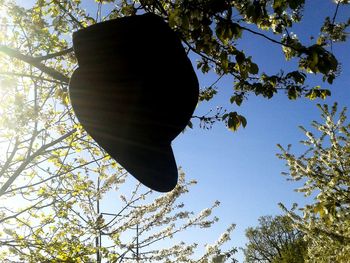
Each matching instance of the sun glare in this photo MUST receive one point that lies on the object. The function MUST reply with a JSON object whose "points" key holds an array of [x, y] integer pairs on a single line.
{"points": [[2, 14]]}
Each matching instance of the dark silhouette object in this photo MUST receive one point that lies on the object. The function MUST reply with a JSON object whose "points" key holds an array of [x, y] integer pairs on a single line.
{"points": [[134, 91]]}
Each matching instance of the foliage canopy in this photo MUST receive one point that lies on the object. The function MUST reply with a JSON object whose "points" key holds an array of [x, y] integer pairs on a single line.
{"points": [[211, 30], [274, 240]]}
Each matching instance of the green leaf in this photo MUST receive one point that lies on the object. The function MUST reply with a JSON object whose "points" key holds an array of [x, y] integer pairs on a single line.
{"points": [[224, 62], [128, 10], [174, 18], [243, 120], [238, 99], [330, 79], [312, 94], [253, 68], [298, 76], [190, 124], [279, 5], [223, 31], [207, 94], [325, 93], [185, 22], [240, 57], [236, 30], [235, 120], [295, 4], [293, 93]]}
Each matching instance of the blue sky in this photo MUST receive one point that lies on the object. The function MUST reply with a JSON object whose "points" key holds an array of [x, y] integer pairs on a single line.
{"points": [[241, 169]]}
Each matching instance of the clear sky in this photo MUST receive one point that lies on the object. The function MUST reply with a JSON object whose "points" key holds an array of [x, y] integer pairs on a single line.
{"points": [[241, 169]]}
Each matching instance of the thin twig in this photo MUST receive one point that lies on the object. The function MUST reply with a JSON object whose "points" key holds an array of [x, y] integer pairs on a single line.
{"points": [[269, 38], [56, 175], [9, 182], [335, 13], [69, 14]]}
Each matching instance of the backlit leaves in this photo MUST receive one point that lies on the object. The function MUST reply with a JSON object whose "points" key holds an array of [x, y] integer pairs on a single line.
{"points": [[234, 120], [324, 170], [213, 32], [53, 176]]}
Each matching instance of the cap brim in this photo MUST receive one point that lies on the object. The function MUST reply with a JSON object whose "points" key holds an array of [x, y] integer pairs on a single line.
{"points": [[150, 160], [153, 165]]}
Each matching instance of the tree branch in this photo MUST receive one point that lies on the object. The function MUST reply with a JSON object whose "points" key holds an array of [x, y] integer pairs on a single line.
{"points": [[270, 39], [23, 75], [53, 55], [8, 183], [69, 14], [10, 158], [32, 61], [51, 177]]}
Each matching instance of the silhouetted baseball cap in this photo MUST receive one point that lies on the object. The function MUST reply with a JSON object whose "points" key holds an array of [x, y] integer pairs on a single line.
{"points": [[134, 91]]}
